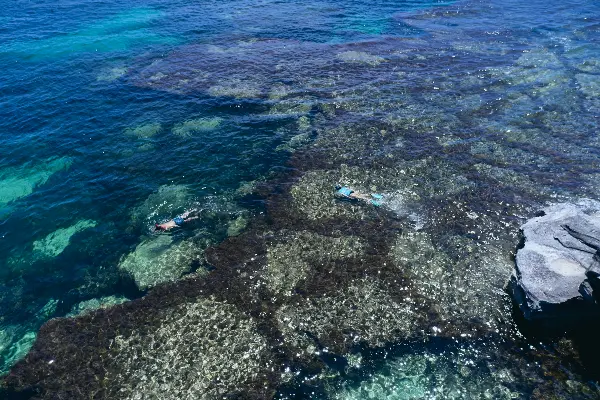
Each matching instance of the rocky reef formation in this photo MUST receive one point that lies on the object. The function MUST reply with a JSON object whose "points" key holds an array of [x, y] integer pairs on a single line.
{"points": [[160, 259], [558, 265], [317, 289]]}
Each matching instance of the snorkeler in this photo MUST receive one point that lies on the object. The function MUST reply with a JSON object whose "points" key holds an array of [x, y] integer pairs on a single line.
{"points": [[175, 222], [349, 194]]}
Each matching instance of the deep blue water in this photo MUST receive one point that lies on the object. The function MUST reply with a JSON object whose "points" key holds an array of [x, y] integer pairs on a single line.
{"points": [[79, 77]]}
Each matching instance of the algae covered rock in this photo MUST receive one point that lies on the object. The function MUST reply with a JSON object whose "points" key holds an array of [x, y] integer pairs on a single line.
{"points": [[462, 279], [290, 262], [144, 131], [89, 306], [237, 88], [159, 259], [56, 242], [360, 57], [313, 194], [363, 312], [237, 225], [16, 183], [201, 350], [192, 126], [162, 203]]}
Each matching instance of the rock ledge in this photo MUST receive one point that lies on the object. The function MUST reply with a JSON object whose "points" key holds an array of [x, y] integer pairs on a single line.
{"points": [[558, 265]]}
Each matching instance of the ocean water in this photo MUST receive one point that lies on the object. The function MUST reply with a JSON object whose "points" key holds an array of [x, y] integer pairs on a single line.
{"points": [[115, 116]]}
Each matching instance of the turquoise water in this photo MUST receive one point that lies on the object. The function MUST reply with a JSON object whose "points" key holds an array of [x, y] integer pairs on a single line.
{"points": [[114, 117]]}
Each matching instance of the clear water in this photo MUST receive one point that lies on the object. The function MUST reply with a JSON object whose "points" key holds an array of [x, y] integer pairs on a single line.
{"points": [[115, 116]]}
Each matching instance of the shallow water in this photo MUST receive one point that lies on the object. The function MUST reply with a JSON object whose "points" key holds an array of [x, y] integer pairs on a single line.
{"points": [[466, 116]]}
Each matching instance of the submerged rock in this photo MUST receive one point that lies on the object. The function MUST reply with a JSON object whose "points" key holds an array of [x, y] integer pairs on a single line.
{"points": [[589, 84], [88, 306], [290, 262], [462, 279], [56, 242], [201, 350], [14, 345], [16, 183], [111, 74], [360, 57], [560, 252], [364, 312], [144, 131], [161, 204], [160, 259], [191, 126]]}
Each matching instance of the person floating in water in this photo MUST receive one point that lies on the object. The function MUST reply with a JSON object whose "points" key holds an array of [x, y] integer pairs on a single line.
{"points": [[350, 194], [175, 222]]}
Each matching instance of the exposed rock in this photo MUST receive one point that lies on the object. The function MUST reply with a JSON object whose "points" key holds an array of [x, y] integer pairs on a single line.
{"points": [[560, 249]]}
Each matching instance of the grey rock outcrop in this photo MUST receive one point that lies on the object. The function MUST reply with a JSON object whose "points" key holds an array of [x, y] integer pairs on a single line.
{"points": [[557, 268]]}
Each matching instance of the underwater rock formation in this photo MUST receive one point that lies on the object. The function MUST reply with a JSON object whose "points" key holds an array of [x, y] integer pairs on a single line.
{"points": [[552, 277], [89, 306], [191, 126], [144, 131], [161, 204], [56, 242], [360, 57], [364, 312], [290, 262], [16, 183], [160, 259], [463, 284], [204, 349], [174, 343]]}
